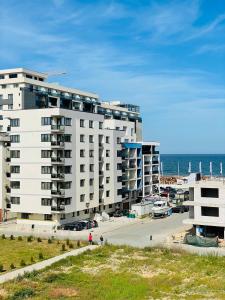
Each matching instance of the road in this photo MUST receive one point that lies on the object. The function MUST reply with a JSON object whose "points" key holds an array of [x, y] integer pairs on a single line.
{"points": [[138, 235]]}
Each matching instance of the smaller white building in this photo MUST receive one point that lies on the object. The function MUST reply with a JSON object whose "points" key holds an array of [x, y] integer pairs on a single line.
{"points": [[207, 207]]}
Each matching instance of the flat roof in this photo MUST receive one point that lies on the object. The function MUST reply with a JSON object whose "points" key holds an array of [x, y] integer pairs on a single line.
{"points": [[151, 143], [23, 70]]}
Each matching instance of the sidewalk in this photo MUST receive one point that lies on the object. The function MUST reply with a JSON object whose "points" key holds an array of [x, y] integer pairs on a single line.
{"points": [[43, 264]]}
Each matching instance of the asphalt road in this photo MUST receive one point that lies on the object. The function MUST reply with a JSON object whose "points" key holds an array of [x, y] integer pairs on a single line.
{"points": [[138, 235]]}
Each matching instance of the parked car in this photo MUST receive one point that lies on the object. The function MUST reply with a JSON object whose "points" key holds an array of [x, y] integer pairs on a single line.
{"points": [[180, 209], [72, 227]]}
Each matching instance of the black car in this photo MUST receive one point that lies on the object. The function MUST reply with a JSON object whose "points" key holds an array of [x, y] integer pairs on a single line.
{"points": [[180, 209], [72, 227]]}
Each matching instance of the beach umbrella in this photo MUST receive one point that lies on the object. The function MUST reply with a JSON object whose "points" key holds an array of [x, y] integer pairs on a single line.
{"points": [[161, 168], [221, 168], [200, 167], [210, 168], [189, 167]]}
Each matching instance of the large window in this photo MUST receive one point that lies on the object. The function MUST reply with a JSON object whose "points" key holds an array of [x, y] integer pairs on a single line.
{"points": [[46, 153], [68, 121], [15, 138], [210, 192], [46, 185], [15, 200], [46, 137], [46, 170], [46, 121], [210, 211], [67, 138], [15, 184], [46, 202], [81, 123], [15, 122], [15, 153], [15, 169], [67, 153]]}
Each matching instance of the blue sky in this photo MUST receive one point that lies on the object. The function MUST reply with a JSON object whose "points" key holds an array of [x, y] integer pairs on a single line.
{"points": [[166, 56]]}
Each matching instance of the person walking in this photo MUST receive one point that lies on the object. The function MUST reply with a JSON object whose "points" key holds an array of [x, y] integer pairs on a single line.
{"points": [[90, 239], [101, 240]]}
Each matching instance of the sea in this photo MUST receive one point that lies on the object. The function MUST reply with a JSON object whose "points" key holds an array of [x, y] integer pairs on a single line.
{"points": [[179, 164]]}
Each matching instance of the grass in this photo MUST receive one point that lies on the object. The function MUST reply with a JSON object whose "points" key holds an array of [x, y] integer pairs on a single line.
{"points": [[121, 273], [17, 252]]}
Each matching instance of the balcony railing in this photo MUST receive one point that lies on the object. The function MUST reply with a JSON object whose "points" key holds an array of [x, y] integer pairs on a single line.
{"points": [[57, 127], [101, 172], [57, 176], [58, 208], [58, 192], [57, 159], [57, 144]]}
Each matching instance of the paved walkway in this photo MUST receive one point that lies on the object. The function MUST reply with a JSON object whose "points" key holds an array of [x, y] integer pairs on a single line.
{"points": [[43, 264]]}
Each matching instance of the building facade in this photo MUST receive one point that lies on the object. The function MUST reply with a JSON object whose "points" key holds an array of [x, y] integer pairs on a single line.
{"points": [[207, 207], [63, 157]]}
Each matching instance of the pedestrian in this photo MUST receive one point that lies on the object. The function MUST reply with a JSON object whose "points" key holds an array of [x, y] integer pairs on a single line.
{"points": [[90, 239], [101, 240]]}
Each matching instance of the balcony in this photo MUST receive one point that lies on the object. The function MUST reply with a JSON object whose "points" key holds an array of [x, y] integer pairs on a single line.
{"points": [[58, 192], [57, 128], [155, 181], [155, 162], [56, 144], [147, 173], [58, 176], [147, 162], [101, 173], [58, 208], [155, 172], [101, 187], [100, 145], [57, 160], [125, 178], [101, 159]]}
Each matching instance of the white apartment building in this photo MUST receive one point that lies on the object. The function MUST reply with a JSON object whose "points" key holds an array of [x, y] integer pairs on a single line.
{"points": [[207, 207], [63, 151]]}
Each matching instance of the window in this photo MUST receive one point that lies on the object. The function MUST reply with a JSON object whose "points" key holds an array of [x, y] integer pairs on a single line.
{"points": [[90, 124], [82, 168], [10, 106], [15, 200], [91, 181], [210, 211], [46, 170], [78, 213], [67, 201], [15, 184], [107, 166], [91, 168], [119, 166], [110, 205], [46, 153], [118, 140], [91, 139], [91, 196], [107, 193], [91, 153], [46, 202], [119, 192], [15, 122], [67, 153], [100, 125], [82, 151], [15, 169], [82, 182], [29, 76], [2, 76], [46, 185], [82, 198], [13, 75], [10, 96], [82, 138], [66, 185], [67, 169], [68, 121], [46, 121], [15, 153], [46, 137], [81, 123], [107, 153], [210, 192], [86, 211], [132, 131], [47, 217], [15, 138], [107, 139], [107, 179], [117, 128], [67, 138]]}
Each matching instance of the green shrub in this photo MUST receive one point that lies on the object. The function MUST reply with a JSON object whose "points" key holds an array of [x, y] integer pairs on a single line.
{"points": [[39, 240], [32, 260], [3, 236], [49, 241], [51, 278], [22, 263], [40, 255], [30, 238], [20, 238], [23, 294], [63, 247], [12, 266], [67, 242], [78, 243], [71, 246], [1, 268], [11, 237]]}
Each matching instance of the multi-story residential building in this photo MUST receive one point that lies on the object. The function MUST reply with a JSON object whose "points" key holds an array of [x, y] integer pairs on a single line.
{"points": [[65, 159], [207, 207]]}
